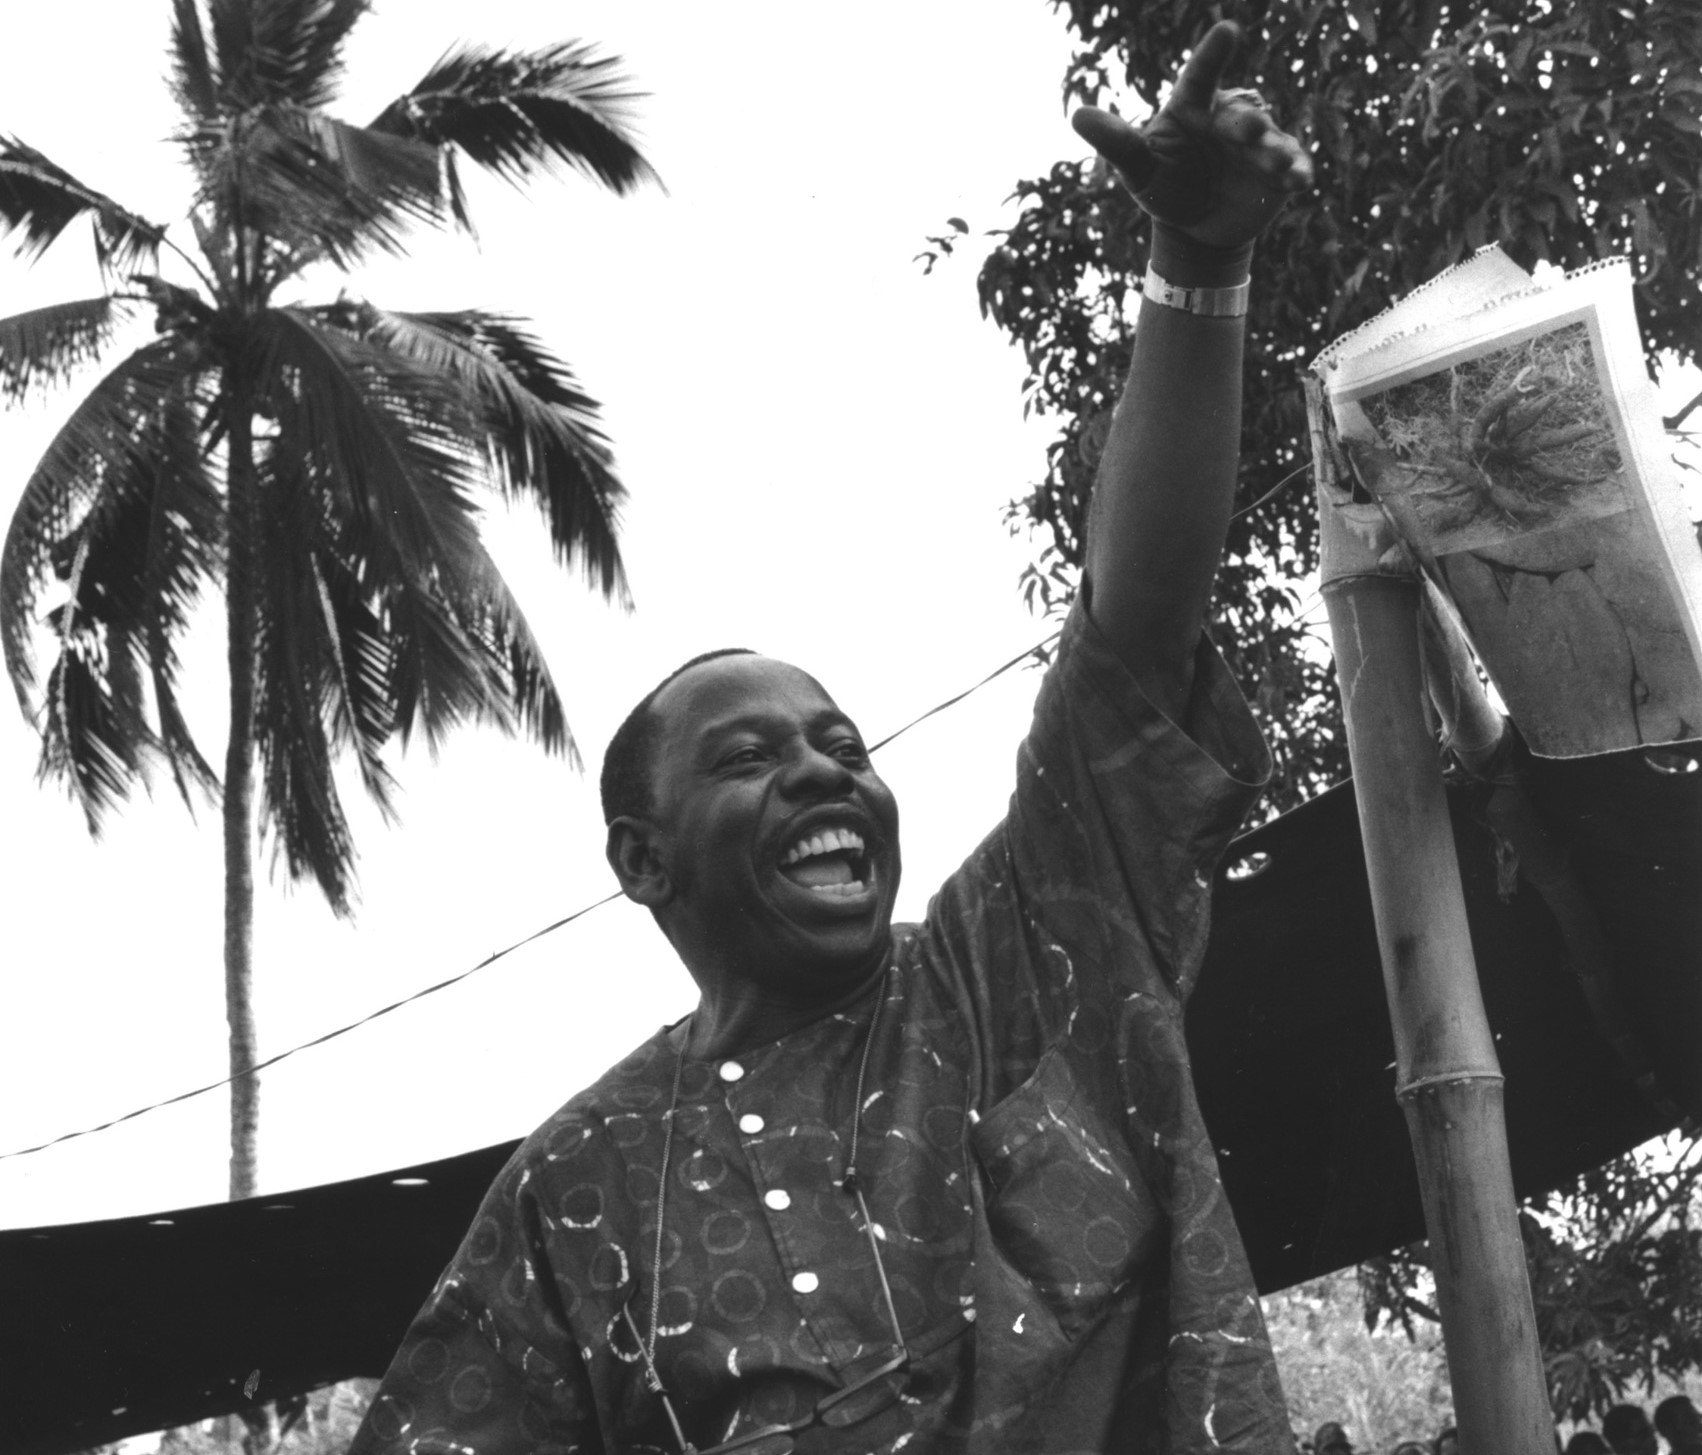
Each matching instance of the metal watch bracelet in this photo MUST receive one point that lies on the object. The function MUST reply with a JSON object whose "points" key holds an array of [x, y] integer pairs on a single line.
{"points": [[1207, 302]]}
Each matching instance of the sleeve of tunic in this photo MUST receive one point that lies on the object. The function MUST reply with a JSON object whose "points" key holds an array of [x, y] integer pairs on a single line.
{"points": [[1116, 801], [489, 1365], [1096, 887], [1072, 936]]}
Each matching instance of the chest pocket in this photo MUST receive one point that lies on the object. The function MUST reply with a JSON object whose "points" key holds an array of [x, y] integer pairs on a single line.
{"points": [[1067, 1204]]}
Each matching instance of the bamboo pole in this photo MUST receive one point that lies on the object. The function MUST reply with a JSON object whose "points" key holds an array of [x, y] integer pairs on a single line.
{"points": [[1448, 1078], [1478, 736]]}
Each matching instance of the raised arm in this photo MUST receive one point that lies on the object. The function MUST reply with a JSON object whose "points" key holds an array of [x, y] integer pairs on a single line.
{"points": [[1211, 169]]}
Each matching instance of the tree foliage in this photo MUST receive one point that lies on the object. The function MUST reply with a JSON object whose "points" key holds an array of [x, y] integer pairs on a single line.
{"points": [[1382, 1384], [1615, 1263], [1566, 133]]}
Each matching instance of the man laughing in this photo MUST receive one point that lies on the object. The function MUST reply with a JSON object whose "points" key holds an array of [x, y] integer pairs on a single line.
{"points": [[935, 1187]]}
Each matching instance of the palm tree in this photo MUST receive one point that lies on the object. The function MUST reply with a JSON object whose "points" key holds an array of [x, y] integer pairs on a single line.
{"points": [[320, 463]]}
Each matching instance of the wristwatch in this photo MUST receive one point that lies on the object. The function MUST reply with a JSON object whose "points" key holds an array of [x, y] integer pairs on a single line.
{"points": [[1207, 302]]}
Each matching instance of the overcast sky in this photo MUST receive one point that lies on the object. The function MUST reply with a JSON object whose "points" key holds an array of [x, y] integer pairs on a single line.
{"points": [[818, 441]]}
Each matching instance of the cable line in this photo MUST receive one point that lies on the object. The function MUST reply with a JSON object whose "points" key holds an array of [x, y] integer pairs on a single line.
{"points": [[490, 959]]}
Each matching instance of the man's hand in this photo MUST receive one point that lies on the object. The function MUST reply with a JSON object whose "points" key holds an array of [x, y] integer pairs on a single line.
{"points": [[1212, 165]]}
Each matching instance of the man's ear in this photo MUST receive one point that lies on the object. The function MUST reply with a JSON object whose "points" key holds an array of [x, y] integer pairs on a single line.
{"points": [[632, 854]]}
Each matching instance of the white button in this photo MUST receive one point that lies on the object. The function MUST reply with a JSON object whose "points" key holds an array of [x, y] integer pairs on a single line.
{"points": [[778, 1198], [805, 1283], [731, 1071], [750, 1124]]}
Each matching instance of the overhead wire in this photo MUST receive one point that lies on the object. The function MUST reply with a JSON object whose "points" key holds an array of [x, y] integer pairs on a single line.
{"points": [[319, 1040], [1031, 652]]}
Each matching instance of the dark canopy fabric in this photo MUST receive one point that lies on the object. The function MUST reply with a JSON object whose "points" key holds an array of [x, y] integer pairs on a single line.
{"points": [[1289, 1031], [119, 1327]]}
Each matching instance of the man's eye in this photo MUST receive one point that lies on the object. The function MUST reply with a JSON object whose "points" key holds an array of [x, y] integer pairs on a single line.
{"points": [[850, 750], [743, 757]]}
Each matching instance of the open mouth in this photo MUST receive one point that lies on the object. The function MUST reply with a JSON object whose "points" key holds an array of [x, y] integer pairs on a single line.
{"points": [[831, 862]]}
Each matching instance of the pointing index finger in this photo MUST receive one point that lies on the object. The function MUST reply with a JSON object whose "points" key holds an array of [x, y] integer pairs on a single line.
{"points": [[1197, 84]]}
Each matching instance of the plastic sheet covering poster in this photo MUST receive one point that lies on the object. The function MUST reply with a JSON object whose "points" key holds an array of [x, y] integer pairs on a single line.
{"points": [[1508, 429]]}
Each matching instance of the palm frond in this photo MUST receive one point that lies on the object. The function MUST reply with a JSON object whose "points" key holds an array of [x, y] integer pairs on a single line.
{"points": [[184, 547], [389, 439], [40, 200], [193, 83], [302, 685], [270, 51], [47, 345], [92, 448], [129, 587], [541, 432], [318, 186], [392, 450], [96, 735], [360, 652], [521, 112], [335, 608], [301, 811], [494, 620]]}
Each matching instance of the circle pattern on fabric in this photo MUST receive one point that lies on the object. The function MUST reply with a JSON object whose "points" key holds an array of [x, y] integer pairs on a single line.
{"points": [[815, 1142], [1106, 1241], [1205, 1253], [428, 1360], [702, 1171], [641, 1185], [677, 1311], [725, 1232], [512, 1290], [777, 1404], [1064, 1186], [738, 1296], [471, 1391], [535, 1423], [390, 1416], [953, 1280], [566, 1139], [581, 1206], [485, 1243], [607, 1268], [627, 1129], [943, 1127], [917, 1217]]}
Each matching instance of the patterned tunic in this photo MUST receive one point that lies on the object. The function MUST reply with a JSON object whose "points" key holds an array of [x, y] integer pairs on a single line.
{"points": [[1065, 1269]]}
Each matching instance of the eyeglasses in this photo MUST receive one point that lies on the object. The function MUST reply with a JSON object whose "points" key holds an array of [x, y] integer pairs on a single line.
{"points": [[862, 1399]]}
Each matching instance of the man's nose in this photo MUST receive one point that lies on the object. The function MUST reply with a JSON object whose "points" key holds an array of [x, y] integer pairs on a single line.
{"points": [[811, 772]]}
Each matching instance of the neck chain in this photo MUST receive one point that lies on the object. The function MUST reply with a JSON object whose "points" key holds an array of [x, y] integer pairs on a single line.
{"points": [[851, 1181]]}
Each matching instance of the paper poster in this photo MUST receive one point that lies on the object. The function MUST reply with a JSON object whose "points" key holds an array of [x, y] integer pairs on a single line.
{"points": [[1509, 432]]}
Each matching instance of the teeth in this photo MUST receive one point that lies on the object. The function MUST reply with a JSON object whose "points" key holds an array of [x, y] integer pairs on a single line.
{"points": [[838, 891], [824, 841]]}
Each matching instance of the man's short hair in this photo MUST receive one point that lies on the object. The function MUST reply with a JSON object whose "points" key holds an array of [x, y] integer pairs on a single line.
{"points": [[1625, 1423], [627, 782], [1331, 1436], [1676, 1416]]}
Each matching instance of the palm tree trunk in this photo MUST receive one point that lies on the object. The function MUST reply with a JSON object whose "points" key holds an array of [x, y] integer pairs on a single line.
{"points": [[240, 615]]}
